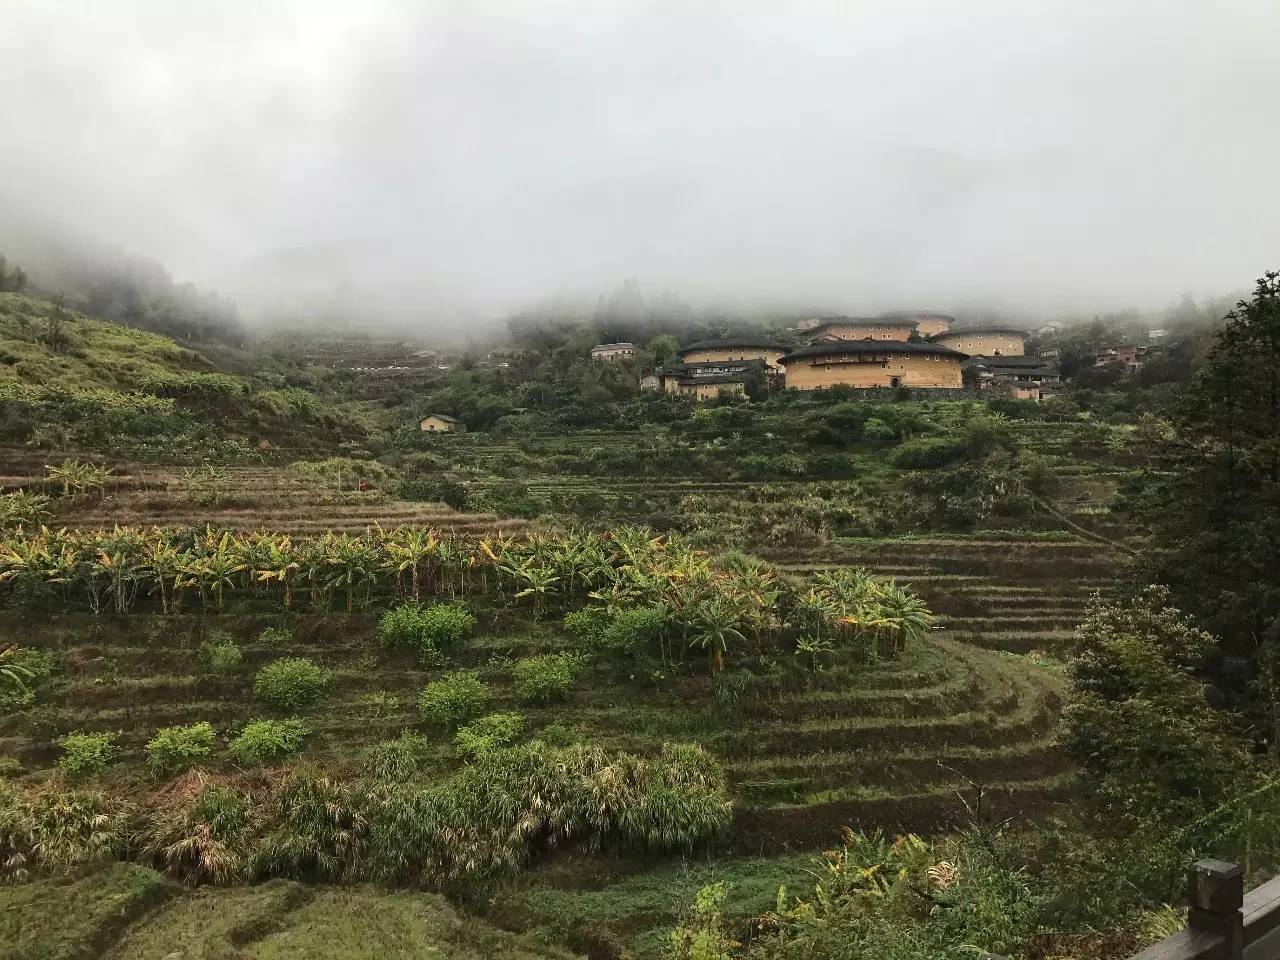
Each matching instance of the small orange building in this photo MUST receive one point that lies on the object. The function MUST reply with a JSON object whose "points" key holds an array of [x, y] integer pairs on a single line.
{"points": [[874, 363], [990, 341]]}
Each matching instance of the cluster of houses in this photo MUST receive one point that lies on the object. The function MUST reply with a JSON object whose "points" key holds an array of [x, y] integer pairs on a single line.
{"points": [[917, 350]]}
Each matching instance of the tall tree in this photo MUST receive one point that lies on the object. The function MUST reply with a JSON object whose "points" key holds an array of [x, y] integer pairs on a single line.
{"points": [[1215, 509]]}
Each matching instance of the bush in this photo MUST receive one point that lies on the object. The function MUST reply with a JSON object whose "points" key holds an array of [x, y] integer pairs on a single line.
{"points": [[636, 629], [488, 733], [174, 749], [426, 629], [398, 760], [927, 452], [31, 667], [454, 699], [220, 653], [86, 753], [262, 741], [588, 625], [543, 679], [290, 684], [448, 490], [275, 637]]}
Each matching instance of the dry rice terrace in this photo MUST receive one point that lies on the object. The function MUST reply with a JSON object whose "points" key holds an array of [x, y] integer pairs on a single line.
{"points": [[245, 499]]}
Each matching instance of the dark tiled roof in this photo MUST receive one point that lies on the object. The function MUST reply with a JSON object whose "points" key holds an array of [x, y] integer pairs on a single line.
{"points": [[761, 343], [916, 315], [828, 348], [754, 364], [612, 346], [440, 416], [885, 321], [1003, 361], [981, 328], [720, 378]]}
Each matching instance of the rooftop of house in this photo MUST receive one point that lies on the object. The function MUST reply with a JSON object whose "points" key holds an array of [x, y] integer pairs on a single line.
{"points": [[916, 315], [724, 343], [882, 321], [440, 416], [717, 378], [967, 331], [828, 348], [613, 346], [1029, 360], [707, 366]]}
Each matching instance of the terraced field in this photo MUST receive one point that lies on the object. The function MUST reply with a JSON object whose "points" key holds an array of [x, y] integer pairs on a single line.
{"points": [[254, 498], [1003, 594], [883, 743]]}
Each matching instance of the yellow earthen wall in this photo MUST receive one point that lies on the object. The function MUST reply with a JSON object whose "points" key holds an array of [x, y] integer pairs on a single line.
{"points": [[928, 327], [770, 357], [985, 344], [849, 331], [815, 373]]}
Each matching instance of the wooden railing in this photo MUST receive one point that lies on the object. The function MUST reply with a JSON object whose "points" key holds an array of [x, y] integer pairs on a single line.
{"points": [[1222, 922]]}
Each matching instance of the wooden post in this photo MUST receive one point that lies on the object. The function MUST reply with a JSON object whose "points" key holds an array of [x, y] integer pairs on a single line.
{"points": [[1217, 893]]}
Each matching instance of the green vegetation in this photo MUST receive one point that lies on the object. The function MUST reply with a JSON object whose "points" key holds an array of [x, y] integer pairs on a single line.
{"points": [[265, 741], [453, 700], [291, 684], [175, 749], [85, 753], [619, 710], [544, 679]]}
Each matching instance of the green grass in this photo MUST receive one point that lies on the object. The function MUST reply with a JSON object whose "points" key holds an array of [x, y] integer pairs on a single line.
{"points": [[76, 918], [281, 920]]}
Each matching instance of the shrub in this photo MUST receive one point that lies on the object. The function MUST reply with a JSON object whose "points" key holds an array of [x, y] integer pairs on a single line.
{"points": [[291, 683], [927, 452], [397, 760], [488, 733], [202, 840], [453, 699], [636, 629], [317, 831], [86, 753], [174, 749], [220, 653], [262, 741], [426, 629], [30, 667], [543, 679], [876, 431], [587, 625], [275, 637], [448, 490]]}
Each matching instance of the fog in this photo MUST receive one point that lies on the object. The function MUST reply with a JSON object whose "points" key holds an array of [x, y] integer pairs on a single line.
{"points": [[439, 161]]}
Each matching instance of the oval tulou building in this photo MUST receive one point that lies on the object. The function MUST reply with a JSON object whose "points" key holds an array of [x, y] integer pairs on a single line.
{"points": [[735, 348], [874, 363], [989, 341]]}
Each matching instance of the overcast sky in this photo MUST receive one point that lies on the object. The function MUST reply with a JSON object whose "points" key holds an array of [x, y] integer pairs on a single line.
{"points": [[1039, 156]]}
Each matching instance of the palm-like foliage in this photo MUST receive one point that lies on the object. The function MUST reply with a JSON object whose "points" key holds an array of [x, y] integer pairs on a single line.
{"points": [[739, 607]]}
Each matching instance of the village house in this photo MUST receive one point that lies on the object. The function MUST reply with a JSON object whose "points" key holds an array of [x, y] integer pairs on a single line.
{"points": [[763, 349], [1025, 377], [861, 328], [610, 352], [707, 380], [985, 341], [441, 423], [873, 363], [927, 323], [1130, 357]]}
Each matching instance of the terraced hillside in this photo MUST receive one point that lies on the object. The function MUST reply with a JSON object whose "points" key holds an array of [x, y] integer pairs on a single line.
{"points": [[250, 498], [883, 743], [1001, 593]]}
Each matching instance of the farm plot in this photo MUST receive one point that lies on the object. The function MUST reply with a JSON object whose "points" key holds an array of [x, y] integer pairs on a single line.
{"points": [[257, 498], [883, 743], [1003, 594]]}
